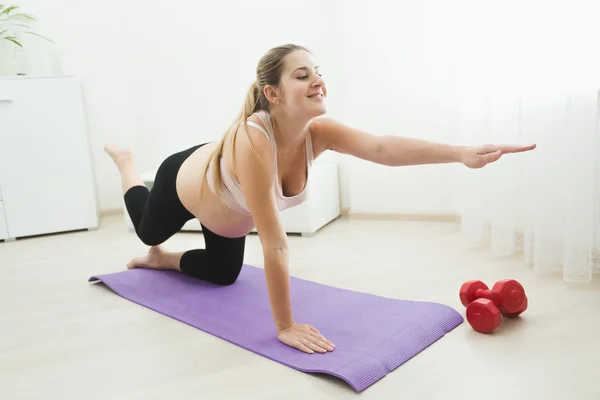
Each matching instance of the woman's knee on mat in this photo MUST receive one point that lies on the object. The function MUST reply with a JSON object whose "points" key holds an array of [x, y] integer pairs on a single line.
{"points": [[223, 273], [226, 279], [228, 269]]}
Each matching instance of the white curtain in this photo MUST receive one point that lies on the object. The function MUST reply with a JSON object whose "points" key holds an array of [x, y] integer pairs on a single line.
{"points": [[530, 73]]}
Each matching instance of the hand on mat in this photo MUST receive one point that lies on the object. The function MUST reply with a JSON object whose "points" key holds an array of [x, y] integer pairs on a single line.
{"points": [[480, 156], [305, 338]]}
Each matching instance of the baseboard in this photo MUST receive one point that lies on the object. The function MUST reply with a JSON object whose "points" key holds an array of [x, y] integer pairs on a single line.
{"points": [[346, 212], [107, 213], [427, 217]]}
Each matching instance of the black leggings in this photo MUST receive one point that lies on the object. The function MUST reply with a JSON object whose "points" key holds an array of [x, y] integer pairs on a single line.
{"points": [[158, 214]]}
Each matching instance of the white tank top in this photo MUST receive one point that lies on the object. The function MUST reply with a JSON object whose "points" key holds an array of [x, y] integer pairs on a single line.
{"points": [[233, 197]]}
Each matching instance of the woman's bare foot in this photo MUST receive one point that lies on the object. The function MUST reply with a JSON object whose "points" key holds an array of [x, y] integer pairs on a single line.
{"points": [[123, 157], [156, 259], [150, 260], [120, 156]]}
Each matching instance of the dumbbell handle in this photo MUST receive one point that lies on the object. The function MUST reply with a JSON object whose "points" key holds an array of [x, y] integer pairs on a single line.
{"points": [[487, 294], [484, 294]]}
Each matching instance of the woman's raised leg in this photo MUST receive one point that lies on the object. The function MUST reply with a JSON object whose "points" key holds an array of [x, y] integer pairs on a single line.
{"points": [[123, 158], [158, 214]]}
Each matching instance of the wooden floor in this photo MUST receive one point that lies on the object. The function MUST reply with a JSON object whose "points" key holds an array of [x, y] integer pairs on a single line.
{"points": [[62, 338]]}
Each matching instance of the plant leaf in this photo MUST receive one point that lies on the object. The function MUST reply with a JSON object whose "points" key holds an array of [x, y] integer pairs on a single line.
{"points": [[14, 40], [9, 9], [19, 17], [3, 32], [37, 34]]}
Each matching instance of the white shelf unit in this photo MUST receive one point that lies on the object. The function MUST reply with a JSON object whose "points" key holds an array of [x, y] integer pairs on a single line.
{"points": [[47, 183]]}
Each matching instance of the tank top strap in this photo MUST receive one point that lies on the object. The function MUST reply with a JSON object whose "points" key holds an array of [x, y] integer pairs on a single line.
{"points": [[260, 128]]}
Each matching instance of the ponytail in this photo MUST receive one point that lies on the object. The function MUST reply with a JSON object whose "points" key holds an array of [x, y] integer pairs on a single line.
{"points": [[252, 104]]}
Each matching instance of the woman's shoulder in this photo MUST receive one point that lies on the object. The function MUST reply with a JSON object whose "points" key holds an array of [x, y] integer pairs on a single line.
{"points": [[256, 136], [318, 135], [260, 117], [260, 121]]}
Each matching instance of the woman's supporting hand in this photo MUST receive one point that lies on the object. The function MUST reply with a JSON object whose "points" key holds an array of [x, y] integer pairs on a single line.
{"points": [[305, 338]]}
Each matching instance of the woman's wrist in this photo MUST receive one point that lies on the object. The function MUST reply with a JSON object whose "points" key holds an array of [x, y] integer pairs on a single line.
{"points": [[283, 326]]}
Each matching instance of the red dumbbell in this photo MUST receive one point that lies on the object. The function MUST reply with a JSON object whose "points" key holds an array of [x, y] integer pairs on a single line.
{"points": [[508, 295], [483, 315], [485, 307], [516, 314]]}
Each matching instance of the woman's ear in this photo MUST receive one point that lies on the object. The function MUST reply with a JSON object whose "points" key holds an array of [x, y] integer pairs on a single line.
{"points": [[271, 94]]}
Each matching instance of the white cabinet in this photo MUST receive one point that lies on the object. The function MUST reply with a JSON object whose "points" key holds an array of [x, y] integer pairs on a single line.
{"points": [[3, 230], [46, 174], [321, 207]]}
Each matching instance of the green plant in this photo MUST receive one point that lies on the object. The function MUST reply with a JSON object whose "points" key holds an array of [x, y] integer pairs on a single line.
{"points": [[9, 16]]}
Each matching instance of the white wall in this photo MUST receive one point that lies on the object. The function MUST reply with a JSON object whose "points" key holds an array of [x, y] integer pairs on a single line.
{"points": [[399, 76], [160, 78]]}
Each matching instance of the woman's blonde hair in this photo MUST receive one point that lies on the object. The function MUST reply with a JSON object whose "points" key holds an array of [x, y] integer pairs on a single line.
{"points": [[268, 72]]}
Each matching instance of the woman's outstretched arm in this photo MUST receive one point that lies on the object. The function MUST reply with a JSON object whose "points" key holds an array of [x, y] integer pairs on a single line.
{"points": [[399, 151]]}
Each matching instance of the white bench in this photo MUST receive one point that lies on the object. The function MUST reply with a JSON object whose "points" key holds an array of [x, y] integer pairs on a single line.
{"points": [[321, 207]]}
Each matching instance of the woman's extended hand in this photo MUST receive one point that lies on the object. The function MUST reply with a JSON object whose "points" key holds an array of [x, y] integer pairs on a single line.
{"points": [[305, 338], [480, 156]]}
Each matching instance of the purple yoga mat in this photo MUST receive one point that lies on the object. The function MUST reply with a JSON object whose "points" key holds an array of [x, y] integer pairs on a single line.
{"points": [[373, 335]]}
